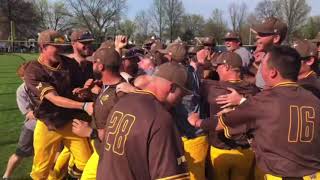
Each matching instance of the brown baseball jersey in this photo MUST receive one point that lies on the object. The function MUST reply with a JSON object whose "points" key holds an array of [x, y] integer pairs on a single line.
{"points": [[141, 141], [211, 90], [81, 72], [311, 83], [40, 79], [286, 122], [102, 106]]}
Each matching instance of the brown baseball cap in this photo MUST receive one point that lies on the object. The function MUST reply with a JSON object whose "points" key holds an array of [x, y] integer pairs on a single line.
{"points": [[177, 51], [206, 41], [192, 50], [271, 25], [81, 35], [51, 37], [230, 58], [175, 73], [107, 44], [316, 39], [305, 48], [107, 56], [157, 45], [150, 56], [232, 36]]}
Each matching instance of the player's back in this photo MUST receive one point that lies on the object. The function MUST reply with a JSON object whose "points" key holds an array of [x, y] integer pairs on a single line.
{"points": [[287, 140], [140, 138]]}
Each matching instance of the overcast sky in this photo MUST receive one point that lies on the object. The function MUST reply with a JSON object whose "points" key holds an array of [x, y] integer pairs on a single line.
{"points": [[205, 7]]}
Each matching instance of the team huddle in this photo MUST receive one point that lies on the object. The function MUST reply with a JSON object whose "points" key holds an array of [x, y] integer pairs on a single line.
{"points": [[181, 111]]}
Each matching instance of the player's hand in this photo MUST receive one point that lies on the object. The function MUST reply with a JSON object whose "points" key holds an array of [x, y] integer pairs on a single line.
{"points": [[125, 87], [89, 108], [120, 42], [78, 91], [202, 55], [225, 110], [82, 93], [81, 128], [88, 83], [30, 115], [194, 119], [258, 56], [96, 89], [227, 100]]}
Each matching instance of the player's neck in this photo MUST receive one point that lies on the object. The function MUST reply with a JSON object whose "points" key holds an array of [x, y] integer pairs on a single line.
{"points": [[77, 57], [111, 79], [231, 77], [48, 61], [305, 74]]}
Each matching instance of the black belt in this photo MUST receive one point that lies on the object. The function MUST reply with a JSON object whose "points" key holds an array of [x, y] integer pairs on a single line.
{"points": [[245, 146], [194, 135], [292, 178]]}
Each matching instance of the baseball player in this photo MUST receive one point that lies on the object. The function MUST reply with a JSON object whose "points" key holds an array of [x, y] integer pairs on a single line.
{"points": [[230, 158], [309, 66], [195, 142], [316, 41], [271, 31], [81, 41], [25, 144], [107, 63], [284, 118], [50, 80], [141, 141], [232, 41]]}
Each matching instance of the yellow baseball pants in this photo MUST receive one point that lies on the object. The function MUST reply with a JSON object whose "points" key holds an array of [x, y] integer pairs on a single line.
{"points": [[47, 143]]}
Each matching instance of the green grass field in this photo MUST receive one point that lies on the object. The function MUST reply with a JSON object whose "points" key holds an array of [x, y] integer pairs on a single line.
{"points": [[11, 119]]}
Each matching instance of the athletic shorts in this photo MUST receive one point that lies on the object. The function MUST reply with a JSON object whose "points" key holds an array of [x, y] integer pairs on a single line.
{"points": [[25, 144]]}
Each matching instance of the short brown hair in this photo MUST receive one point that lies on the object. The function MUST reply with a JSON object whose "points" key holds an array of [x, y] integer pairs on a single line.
{"points": [[22, 67], [286, 60]]}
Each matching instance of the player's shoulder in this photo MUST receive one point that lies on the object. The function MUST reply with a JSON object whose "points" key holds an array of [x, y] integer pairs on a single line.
{"points": [[67, 60], [247, 87], [21, 89], [143, 98], [210, 85], [34, 66]]}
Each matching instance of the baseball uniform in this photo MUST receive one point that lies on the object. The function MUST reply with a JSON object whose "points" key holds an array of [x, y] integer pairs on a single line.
{"points": [[54, 124], [141, 141], [230, 158], [285, 120]]}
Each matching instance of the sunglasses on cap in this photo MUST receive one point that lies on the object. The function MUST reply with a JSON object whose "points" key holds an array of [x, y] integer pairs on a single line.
{"points": [[85, 35], [58, 40], [265, 34]]}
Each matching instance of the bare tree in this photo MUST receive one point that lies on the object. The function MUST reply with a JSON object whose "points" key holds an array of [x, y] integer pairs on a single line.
{"points": [[294, 13], [157, 14], [142, 21], [194, 23], [267, 8], [97, 15], [23, 15], [173, 12], [312, 27], [216, 25], [54, 15], [128, 28], [237, 13]]}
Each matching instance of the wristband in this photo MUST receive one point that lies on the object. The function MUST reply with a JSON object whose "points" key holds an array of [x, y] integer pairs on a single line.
{"points": [[84, 106], [242, 100]]}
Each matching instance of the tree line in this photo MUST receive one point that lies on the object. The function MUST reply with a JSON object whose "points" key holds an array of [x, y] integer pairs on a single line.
{"points": [[166, 19]]}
